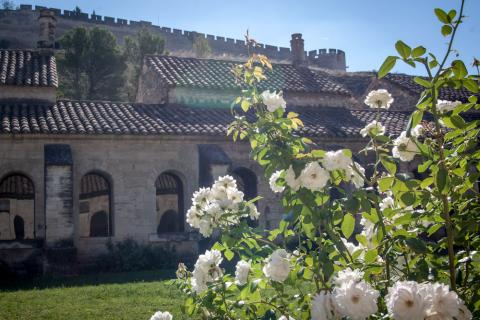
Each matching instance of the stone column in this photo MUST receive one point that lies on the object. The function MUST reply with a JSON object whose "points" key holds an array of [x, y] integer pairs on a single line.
{"points": [[59, 218]]}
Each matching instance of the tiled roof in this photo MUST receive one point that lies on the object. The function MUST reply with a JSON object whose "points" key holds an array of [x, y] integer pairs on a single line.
{"points": [[217, 74], [445, 93], [97, 118], [28, 68]]}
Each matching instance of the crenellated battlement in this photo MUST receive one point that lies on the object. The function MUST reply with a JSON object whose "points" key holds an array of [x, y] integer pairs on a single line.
{"points": [[178, 42]]}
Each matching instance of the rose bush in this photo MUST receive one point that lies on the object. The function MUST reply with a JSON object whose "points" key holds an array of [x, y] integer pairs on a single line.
{"points": [[393, 269]]}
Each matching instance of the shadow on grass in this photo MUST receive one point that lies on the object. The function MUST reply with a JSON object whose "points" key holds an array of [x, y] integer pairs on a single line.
{"points": [[18, 283]]}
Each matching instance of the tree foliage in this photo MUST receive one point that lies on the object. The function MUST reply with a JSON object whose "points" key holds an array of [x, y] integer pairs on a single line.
{"points": [[201, 47], [91, 66], [136, 48]]}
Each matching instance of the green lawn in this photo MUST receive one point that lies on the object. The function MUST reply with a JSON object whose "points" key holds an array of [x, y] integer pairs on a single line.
{"points": [[135, 295]]}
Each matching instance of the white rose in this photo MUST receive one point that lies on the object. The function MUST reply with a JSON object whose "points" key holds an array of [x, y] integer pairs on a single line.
{"points": [[380, 98], [405, 301], [273, 100], [314, 177], [374, 128], [387, 202], [278, 266], [273, 182], [405, 148], [201, 196], [356, 176], [356, 300], [162, 316], [441, 301], [464, 313], [417, 131], [336, 160], [241, 272], [292, 181], [348, 275], [444, 106], [253, 212], [324, 307]]}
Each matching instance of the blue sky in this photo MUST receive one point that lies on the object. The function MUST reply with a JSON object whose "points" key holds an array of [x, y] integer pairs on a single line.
{"points": [[366, 30]]}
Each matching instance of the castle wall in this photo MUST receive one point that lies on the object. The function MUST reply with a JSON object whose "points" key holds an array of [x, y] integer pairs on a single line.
{"points": [[20, 28]]}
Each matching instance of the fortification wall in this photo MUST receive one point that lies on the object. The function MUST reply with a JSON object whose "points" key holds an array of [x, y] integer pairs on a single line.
{"points": [[20, 29]]}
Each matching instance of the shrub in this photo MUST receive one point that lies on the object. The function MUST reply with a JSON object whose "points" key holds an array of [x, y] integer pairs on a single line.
{"points": [[129, 255]]}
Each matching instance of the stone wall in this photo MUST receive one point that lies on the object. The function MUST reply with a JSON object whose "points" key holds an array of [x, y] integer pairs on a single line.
{"points": [[132, 165], [20, 29]]}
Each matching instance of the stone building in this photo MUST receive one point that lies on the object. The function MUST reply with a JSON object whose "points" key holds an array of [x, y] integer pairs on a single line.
{"points": [[77, 174]]}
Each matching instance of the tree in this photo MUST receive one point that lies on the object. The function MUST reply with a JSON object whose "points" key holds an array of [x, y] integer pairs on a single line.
{"points": [[201, 48], [136, 48], [8, 5], [91, 65]]}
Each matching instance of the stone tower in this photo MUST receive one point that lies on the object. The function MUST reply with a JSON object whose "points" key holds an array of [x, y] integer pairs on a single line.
{"points": [[298, 50]]}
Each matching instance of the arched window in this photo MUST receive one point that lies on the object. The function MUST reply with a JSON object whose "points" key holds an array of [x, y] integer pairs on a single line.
{"points": [[95, 206], [246, 182], [17, 208], [99, 224], [169, 199], [19, 228], [168, 222]]}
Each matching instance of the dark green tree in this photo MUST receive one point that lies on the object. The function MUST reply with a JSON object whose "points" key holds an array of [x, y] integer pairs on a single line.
{"points": [[8, 5], [91, 66], [135, 50]]}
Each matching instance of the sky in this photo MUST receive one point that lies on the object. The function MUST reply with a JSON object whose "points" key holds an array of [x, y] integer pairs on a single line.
{"points": [[365, 29]]}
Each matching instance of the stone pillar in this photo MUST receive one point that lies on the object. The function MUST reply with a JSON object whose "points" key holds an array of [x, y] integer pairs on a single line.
{"points": [[298, 50], [59, 218], [47, 25]]}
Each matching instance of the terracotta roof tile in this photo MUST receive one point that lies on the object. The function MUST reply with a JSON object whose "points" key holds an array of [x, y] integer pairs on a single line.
{"points": [[217, 74], [98, 118], [445, 93], [28, 68]]}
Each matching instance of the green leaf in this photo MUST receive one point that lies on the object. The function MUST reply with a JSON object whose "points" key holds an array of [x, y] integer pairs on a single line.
{"points": [[451, 14], [228, 254], [441, 180], [348, 225], [408, 198], [371, 256], [422, 82], [386, 66], [446, 30], [389, 165], [415, 119], [416, 245], [471, 85], [385, 183], [442, 15], [245, 105], [459, 69], [403, 50], [418, 51]]}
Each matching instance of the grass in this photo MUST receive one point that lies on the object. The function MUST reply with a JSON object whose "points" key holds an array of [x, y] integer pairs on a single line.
{"points": [[134, 295]]}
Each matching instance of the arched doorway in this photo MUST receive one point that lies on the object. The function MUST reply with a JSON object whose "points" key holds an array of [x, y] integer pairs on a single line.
{"points": [[17, 208], [169, 203], [95, 216], [246, 182]]}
